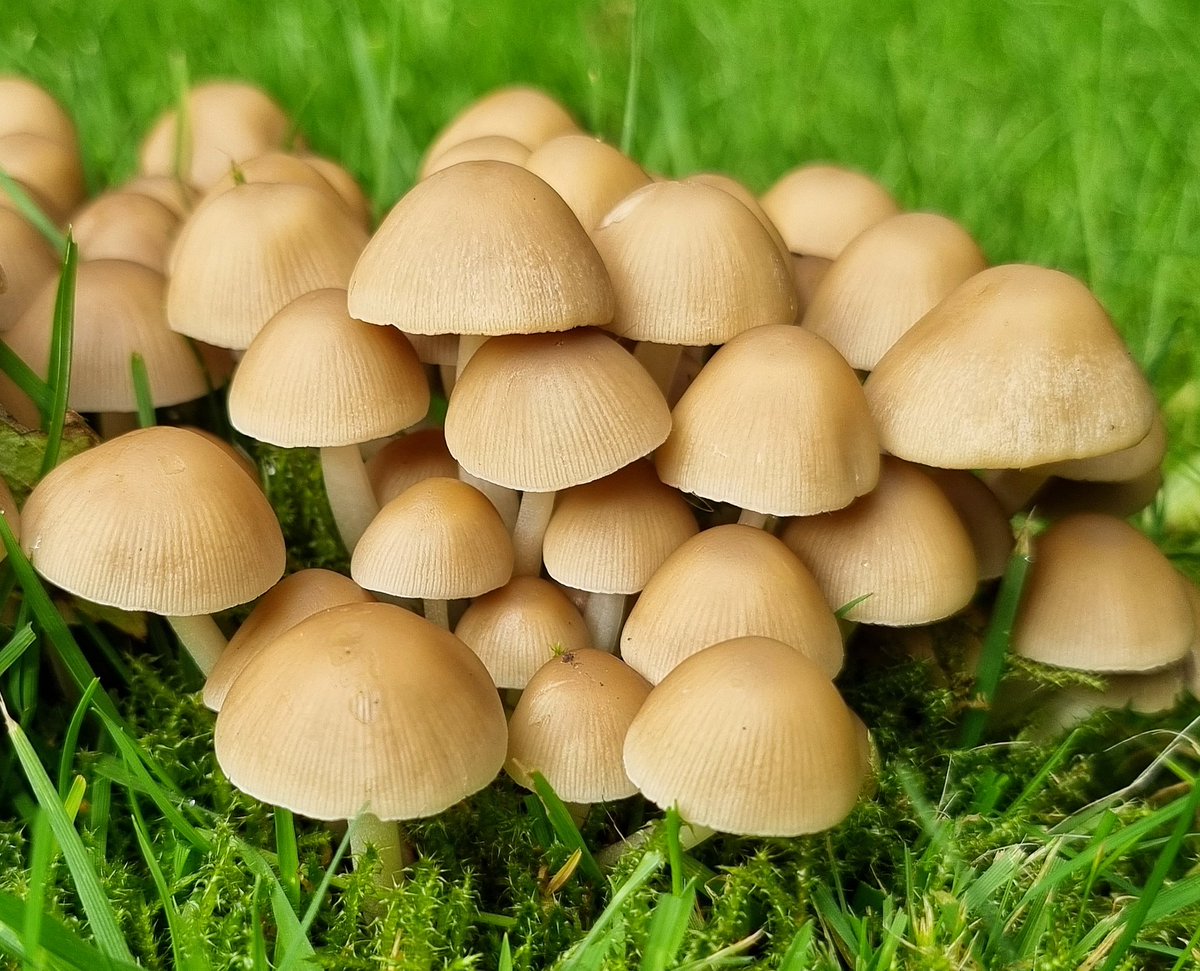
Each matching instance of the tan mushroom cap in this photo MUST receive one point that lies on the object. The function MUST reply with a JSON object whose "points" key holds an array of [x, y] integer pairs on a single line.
{"points": [[982, 514], [729, 581], [440, 539], [1149, 693], [28, 262], [902, 546], [749, 737], [742, 194], [611, 535], [179, 197], [362, 706], [516, 628], [808, 272], [278, 167], [315, 376], [775, 422], [158, 519], [1124, 465], [481, 248], [228, 122], [495, 148], [122, 225], [1019, 366], [570, 726], [293, 599], [407, 460], [52, 173], [526, 115], [820, 208], [26, 107], [344, 184], [239, 456], [542, 412], [1065, 497], [886, 279], [119, 311], [1101, 597], [691, 265], [589, 174], [251, 251]]}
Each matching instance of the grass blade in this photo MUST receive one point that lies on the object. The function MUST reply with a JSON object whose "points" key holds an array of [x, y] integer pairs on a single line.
{"points": [[564, 826], [71, 738], [31, 211], [288, 855], [141, 391], [41, 849], [17, 645], [668, 927], [291, 936], [25, 378], [61, 346], [91, 894], [59, 942], [583, 954], [505, 962], [293, 956]]}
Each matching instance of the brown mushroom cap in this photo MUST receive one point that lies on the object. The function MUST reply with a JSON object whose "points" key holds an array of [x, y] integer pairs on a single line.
{"points": [[177, 196], [228, 123], [775, 422], [1101, 597], [516, 628], [691, 265], [496, 148], [378, 710], [25, 107], [1019, 366], [749, 737], [542, 412], [820, 208], [28, 262], [249, 252], [122, 225], [570, 726], [293, 599], [729, 581], [345, 185], [278, 167], [158, 519], [526, 115], [315, 376], [981, 513], [440, 539], [590, 175], [748, 199], [52, 173], [481, 248], [886, 279], [407, 460], [902, 546]]}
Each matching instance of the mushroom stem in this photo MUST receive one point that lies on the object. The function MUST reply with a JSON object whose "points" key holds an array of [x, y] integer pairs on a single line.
{"points": [[661, 361], [437, 612], [468, 344], [578, 812], [505, 500], [394, 852], [532, 520], [604, 613], [751, 518], [201, 638], [689, 836], [114, 423], [449, 376], [349, 489]]}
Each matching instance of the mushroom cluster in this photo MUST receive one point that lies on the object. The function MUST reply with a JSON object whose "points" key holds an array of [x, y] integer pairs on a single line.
{"points": [[686, 431]]}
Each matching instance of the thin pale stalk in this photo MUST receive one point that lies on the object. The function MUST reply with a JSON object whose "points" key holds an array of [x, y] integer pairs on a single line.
{"points": [[449, 376], [394, 852], [349, 489], [468, 344], [689, 836], [114, 423], [437, 612], [758, 520], [201, 638], [532, 520], [661, 361], [506, 501], [604, 614]]}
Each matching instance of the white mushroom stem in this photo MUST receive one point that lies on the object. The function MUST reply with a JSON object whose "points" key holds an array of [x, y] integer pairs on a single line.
{"points": [[349, 489], [751, 518], [532, 520], [449, 376], [661, 361], [506, 501], [604, 613], [689, 836], [394, 853], [201, 638], [437, 612]]}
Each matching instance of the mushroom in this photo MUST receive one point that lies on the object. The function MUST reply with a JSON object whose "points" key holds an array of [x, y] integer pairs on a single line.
{"points": [[48, 170], [28, 262], [590, 175], [496, 148], [130, 226], [406, 460]]}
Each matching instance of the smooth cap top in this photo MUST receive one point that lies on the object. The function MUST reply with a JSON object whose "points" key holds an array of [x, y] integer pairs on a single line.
{"points": [[28, 262], [749, 737], [497, 148], [406, 460], [481, 248], [52, 173], [157, 519], [362, 707], [590, 175], [570, 726], [120, 225], [1019, 366], [26, 107]]}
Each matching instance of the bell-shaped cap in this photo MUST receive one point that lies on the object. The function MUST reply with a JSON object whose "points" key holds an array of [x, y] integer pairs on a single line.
{"points": [[49, 171], [726, 183], [406, 460], [28, 262], [820, 208], [130, 226], [983, 516], [26, 107], [589, 174], [494, 148]]}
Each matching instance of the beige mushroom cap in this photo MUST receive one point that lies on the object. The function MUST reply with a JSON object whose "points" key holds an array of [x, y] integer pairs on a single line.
{"points": [[179, 197], [440, 539], [729, 581], [122, 225], [26, 107], [570, 726], [611, 535], [543, 412], [982, 514], [886, 279], [345, 185], [315, 376], [1101, 597], [902, 546], [496, 148], [749, 737], [362, 707], [726, 183], [820, 208], [589, 174], [249, 252], [28, 262], [1019, 366], [516, 628], [406, 460], [775, 422], [279, 167], [228, 122], [524, 114], [293, 599], [51, 172], [481, 248], [1124, 465], [691, 265], [158, 519]]}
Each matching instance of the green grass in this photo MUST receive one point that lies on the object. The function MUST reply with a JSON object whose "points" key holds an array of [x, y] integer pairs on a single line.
{"points": [[1057, 133]]}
